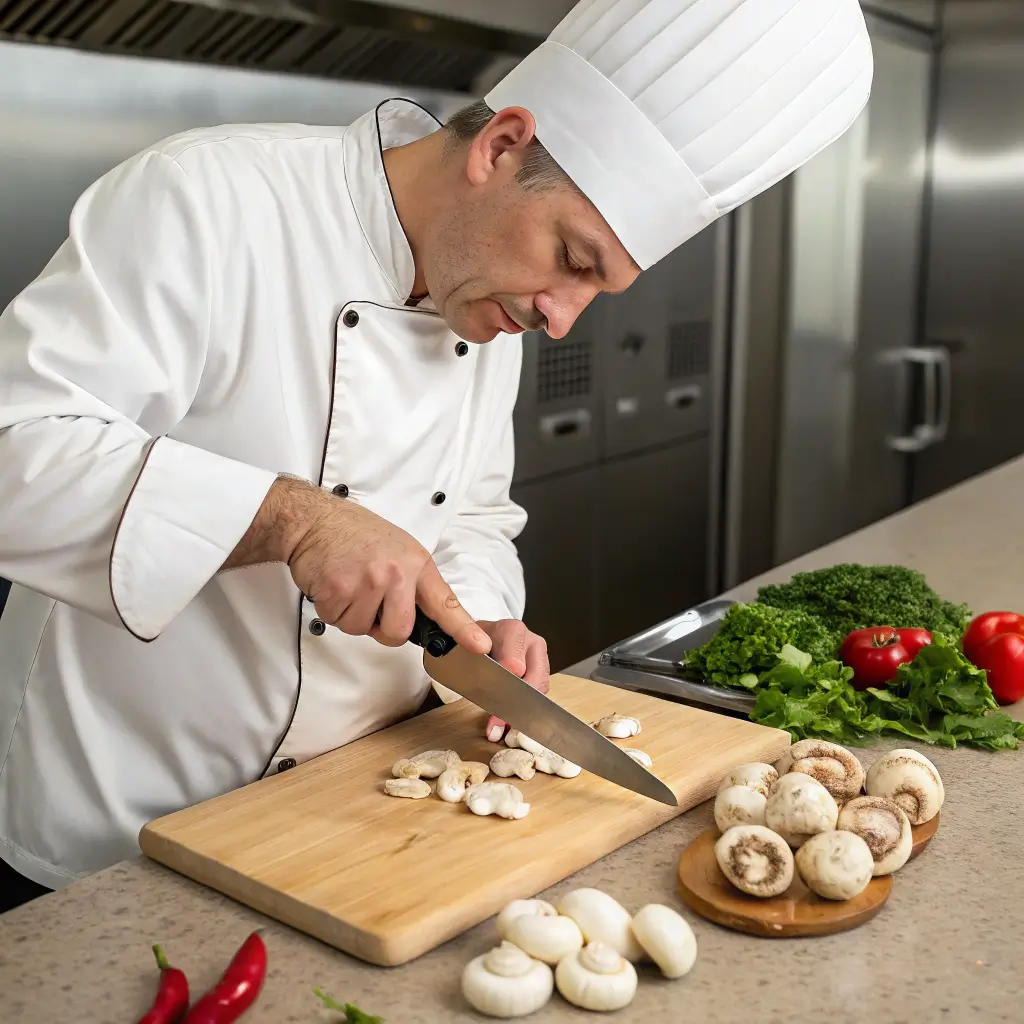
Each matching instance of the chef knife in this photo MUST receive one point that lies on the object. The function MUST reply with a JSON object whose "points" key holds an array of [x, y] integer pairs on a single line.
{"points": [[487, 684]]}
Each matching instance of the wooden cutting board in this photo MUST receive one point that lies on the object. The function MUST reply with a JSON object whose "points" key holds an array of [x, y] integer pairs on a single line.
{"points": [[321, 847]]}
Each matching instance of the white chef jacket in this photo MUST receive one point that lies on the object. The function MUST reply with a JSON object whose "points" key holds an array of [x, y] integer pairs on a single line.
{"points": [[230, 304]]}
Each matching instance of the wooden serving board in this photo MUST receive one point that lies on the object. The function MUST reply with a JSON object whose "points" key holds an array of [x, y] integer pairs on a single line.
{"points": [[324, 850], [797, 912]]}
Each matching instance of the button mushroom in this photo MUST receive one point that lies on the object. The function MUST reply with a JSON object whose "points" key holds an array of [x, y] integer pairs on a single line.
{"points": [[411, 789], [498, 798], [601, 918], [739, 805], [507, 763], [427, 765], [835, 865], [754, 774], [617, 727], [452, 782], [666, 938], [639, 755], [596, 977], [507, 982], [910, 780], [799, 807], [833, 766], [884, 826], [518, 907], [548, 761], [756, 860], [545, 937]]}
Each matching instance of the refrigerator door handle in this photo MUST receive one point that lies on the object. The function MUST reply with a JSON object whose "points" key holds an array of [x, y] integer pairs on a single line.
{"points": [[938, 388]]}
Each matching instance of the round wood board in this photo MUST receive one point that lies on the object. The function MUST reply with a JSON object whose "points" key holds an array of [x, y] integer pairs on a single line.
{"points": [[922, 835], [797, 912]]}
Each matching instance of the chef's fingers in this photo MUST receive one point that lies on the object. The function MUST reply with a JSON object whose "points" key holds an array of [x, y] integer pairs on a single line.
{"points": [[509, 649], [437, 601], [495, 729], [397, 615], [358, 618], [538, 668]]}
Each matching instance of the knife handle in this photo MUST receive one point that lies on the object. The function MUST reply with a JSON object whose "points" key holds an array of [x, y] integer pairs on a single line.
{"points": [[430, 636]]}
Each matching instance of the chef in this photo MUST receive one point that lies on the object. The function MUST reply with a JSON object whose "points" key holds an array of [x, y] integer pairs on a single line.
{"points": [[259, 403]]}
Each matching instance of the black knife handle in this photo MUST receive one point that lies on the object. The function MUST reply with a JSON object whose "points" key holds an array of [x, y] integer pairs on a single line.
{"points": [[430, 636]]}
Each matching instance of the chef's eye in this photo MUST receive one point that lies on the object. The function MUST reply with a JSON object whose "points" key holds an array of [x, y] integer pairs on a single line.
{"points": [[569, 263]]}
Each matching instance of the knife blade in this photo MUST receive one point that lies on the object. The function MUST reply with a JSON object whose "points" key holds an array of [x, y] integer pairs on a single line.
{"points": [[492, 687]]}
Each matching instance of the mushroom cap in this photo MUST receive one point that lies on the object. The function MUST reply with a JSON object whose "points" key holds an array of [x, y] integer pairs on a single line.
{"points": [[451, 783], [884, 826], [909, 779], [506, 982], [512, 739], [835, 865], [616, 726], [432, 762], [601, 918], [799, 807], [754, 774], [412, 789], [739, 805], [835, 767], [509, 762], [596, 977], [544, 937], [756, 860], [666, 938], [516, 908], [640, 756], [500, 798]]}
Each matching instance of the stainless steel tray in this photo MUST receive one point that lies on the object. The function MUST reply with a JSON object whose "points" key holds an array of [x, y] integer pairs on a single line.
{"points": [[652, 662]]}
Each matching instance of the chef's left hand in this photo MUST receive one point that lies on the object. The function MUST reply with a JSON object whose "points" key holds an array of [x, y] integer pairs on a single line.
{"points": [[514, 647]]}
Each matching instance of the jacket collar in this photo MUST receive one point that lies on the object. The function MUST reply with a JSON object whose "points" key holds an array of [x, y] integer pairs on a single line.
{"points": [[393, 122]]}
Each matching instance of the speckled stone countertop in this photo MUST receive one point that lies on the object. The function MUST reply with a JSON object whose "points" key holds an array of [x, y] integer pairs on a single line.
{"points": [[948, 945]]}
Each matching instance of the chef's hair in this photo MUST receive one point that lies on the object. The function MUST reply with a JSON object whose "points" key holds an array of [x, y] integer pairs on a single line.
{"points": [[540, 170]]}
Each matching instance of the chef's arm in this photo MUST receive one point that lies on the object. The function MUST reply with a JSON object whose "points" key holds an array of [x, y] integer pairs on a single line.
{"points": [[100, 358], [476, 554]]}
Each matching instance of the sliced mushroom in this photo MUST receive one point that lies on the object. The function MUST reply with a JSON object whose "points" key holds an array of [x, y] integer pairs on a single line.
{"points": [[548, 761], [519, 907], [910, 780], [507, 982], [739, 805], [499, 798], [833, 766], [754, 774], [452, 782], [601, 918], [639, 755], [799, 807], [597, 977], [667, 939], [546, 938], [756, 860], [884, 826], [508, 762], [835, 865], [411, 789], [512, 738], [427, 765], [617, 727]]}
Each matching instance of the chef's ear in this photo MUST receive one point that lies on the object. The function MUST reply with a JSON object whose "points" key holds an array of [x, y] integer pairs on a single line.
{"points": [[506, 136]]}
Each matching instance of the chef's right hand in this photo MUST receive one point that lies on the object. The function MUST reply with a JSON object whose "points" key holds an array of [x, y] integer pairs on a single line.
{"points": [[352, 564]]}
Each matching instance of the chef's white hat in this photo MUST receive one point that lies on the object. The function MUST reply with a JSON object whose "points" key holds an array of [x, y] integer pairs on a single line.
{"points": [[668, 114]]}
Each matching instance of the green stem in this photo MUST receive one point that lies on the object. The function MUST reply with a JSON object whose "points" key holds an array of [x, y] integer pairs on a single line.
{"points": [[161, 958]]}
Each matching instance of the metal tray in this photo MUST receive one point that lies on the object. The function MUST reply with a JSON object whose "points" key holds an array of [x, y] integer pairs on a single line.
{"points": [[651, 662]]}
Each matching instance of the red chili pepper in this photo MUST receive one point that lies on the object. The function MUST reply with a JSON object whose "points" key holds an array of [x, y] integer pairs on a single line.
{"points": [[172, 996], [238, 987]]}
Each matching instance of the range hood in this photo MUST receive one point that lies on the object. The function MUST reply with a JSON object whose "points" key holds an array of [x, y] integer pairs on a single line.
{"points": [[459, 46]]}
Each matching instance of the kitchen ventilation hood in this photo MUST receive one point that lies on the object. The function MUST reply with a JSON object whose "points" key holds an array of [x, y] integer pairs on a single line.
{"points": [[457, 46]]}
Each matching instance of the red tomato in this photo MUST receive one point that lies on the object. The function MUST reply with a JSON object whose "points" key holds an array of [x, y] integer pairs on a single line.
{"points": [[875, 654], [983, 627], [1002, 658]]}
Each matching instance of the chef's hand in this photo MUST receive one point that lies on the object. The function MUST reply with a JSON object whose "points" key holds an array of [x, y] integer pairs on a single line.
{"points": [[351, 564], [514, 647]]}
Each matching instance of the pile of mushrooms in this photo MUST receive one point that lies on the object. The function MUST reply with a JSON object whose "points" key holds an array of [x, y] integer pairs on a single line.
{"points": [[467, 782], [584, 945], [846, 825]]}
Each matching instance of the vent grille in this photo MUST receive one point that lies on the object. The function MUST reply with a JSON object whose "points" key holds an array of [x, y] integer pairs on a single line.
{"points": [[689, 349], [564, 370], [355, 41]]}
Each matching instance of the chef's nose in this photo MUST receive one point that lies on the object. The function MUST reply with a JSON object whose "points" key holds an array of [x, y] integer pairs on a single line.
{"points": [[560, 311]]}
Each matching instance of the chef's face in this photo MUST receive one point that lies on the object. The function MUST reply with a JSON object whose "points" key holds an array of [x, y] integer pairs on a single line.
{"points": [[504, 257]]}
